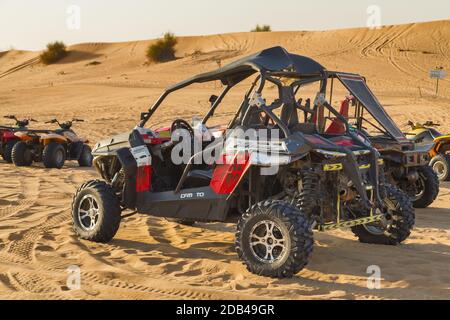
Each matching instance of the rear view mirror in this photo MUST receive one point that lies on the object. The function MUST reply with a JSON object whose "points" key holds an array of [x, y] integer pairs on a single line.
{"points": [[213, 99]]}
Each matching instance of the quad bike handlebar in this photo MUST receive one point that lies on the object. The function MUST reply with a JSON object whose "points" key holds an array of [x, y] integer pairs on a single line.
{"points": [[20, 123], [64, 125], [422, 125]]}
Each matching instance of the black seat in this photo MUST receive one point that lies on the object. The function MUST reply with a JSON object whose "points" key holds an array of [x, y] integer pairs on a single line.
{"points": [[201, 174], [306, 128], [198, 178]]}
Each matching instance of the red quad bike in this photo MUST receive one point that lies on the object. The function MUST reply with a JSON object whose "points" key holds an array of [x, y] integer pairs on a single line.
{"points": [[281, 177], [8, 137]]}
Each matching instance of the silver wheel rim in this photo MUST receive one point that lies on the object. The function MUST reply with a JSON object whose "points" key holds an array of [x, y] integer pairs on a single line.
{"points": [[420, 185], [268, 241], [379, 228], [88, 212], [59, 156], [439, 168]]}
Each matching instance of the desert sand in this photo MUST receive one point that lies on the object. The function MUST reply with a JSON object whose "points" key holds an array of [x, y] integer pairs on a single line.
{"points": [[152, 258]]}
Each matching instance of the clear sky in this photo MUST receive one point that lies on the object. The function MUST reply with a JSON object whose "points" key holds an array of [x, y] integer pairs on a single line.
{"points": [[30, 24]]}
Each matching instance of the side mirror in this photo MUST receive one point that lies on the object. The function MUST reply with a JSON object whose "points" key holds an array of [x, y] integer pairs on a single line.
{"points": [[144, 115], [213, 99]]}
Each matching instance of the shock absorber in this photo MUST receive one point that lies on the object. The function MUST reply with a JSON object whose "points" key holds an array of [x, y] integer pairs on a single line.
{"points": [[308, 192]]}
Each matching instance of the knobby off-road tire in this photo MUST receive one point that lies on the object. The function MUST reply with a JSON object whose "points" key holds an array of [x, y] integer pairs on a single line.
{"points": [[274, 220], [441, 165], [96, 212], [85, 159], [7, 153], [21, 155], [430, 182], [398, 228], [54, 155]]}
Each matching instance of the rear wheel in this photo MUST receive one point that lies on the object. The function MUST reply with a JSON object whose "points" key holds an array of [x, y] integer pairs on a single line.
{"points": [[441, 165], [427, 187], [85, 159], [96, 212], [54, 155], [7, 154], [21, 155], [274, 239], [397, 225]]}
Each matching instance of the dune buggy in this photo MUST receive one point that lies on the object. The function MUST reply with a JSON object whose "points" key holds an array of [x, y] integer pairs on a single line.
{"points": [[406, 164], [52, 147], [277, 176], [426, 136], [8, 138]]}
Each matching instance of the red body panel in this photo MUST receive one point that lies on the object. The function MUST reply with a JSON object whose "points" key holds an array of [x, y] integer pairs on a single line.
{"points": [[6, 135], [144, 179], [227, 175]]}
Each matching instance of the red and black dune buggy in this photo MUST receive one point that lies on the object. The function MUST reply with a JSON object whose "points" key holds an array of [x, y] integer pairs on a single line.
{"points": [[8, 138], [274, 171]]}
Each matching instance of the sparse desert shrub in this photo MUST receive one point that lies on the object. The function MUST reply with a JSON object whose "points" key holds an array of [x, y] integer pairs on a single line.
{"points": [[263, 28], [55, 51], [163, 50]]}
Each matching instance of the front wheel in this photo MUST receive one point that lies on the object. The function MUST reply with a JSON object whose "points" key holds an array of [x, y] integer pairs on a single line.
{"points": [[54, 155], [21, 155], [397, 225], [7, 153], [85, 159], [96, 212], [427, 188], [274, 239], [441, 165]]}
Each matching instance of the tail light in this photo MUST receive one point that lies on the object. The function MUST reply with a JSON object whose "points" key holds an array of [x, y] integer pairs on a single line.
{"points": [[144, 179]]}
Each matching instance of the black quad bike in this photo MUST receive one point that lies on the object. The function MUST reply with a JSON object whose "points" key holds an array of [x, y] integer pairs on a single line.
{"points": [[52, 147], [278, 177], [406, 164], [8, 137]]}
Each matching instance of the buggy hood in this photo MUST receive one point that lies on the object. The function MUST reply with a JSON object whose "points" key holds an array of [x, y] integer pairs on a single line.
{"points": [[359, 89]]}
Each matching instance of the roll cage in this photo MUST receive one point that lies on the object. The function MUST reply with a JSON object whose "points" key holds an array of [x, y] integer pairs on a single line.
{"points": [[272, 65]]}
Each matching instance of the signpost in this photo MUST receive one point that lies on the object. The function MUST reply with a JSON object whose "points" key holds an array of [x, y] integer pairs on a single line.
{"points": [[438, 73]]}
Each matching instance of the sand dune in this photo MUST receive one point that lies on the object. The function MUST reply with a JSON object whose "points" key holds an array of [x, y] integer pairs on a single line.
{"points": [[155, 259]]}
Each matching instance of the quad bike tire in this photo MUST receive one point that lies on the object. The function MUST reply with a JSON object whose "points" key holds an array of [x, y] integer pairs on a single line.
{"points": [[21, 155], [441, 165], [85, 159], [430, 182], [97, 199], [281, 220], [54, 155], [401, 223], [7, 153]]}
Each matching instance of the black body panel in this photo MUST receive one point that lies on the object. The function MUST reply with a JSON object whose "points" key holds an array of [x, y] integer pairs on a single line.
{"points": [[200, 204]]}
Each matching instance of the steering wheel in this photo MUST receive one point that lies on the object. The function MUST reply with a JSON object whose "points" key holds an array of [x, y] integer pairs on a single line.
{"points": [[181, 124]]}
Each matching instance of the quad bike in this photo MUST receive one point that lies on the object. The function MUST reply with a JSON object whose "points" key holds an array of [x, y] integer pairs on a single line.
{"points": [[426, 136], [52, 147], [280, 182], [406, 164], [8, 138]]}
